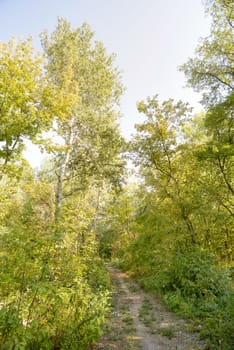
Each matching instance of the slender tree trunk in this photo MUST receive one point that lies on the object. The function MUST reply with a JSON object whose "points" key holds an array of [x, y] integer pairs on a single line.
{"points": [[62, 169], [188, 223], [222, 169]]}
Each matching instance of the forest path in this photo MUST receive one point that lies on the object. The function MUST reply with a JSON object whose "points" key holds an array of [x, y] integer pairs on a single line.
{"points": [[140, 321]]}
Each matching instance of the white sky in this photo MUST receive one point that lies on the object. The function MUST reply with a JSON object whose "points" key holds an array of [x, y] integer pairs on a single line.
{"points": [[150, 37]]}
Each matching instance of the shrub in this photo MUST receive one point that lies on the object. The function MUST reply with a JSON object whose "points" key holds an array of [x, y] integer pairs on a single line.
{"points": [[194, 286]]}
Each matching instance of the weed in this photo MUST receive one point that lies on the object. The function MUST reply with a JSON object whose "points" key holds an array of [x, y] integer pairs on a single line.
{"points": [[167, 332], [128, 320]]}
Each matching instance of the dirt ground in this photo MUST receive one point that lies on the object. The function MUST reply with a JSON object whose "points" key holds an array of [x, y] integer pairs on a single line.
{"points": [[141, 321]]}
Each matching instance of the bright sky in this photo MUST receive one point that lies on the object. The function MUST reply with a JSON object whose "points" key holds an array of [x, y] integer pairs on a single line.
{"points": [[151, 38]]}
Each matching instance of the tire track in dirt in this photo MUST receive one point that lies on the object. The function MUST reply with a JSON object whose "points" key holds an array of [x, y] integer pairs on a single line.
{"points": [[140, 321]]}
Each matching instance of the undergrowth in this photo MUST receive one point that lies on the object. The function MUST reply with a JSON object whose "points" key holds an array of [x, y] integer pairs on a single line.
{"points": [[192, 285]]}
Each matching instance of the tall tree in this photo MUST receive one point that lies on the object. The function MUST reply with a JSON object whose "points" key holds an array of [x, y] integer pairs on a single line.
{"points": [[211, 71], [83, 70], [158, 150]]}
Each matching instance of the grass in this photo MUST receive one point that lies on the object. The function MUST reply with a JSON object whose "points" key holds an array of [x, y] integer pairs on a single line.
{"points": [[167, 332], [147, 316], [128, 320]]}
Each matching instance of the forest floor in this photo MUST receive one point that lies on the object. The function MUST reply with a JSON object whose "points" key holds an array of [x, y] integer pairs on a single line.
{"points": [[139, 320]]}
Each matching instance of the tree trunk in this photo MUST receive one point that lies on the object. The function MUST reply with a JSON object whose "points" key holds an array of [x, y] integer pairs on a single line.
{"points": [[62, 169]]}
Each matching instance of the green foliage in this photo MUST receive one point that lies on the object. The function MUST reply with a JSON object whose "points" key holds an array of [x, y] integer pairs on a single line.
{"points": [[193, 286], [117, 225], [194, 274], [211, 70], [26, 98], [159, 254], [173, 231], [178, 239], [86, 75], [189, 282], [51, 295], [54, 288]]}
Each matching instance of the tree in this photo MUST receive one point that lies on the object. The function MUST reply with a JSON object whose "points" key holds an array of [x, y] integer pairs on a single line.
{"points": [[211, 72], [53, 285], [26, 105], [90, 133], [219, 148], [212, 69], [159, 150]]}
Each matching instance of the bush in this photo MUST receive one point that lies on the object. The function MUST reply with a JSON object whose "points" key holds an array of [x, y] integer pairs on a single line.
{"points": [[192, 285], [62, 318], [51, 297], [194, 273]]}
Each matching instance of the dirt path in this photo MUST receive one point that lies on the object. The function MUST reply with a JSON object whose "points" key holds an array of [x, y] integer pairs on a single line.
{"points": [[140, 321]]}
